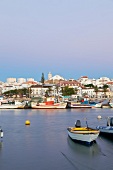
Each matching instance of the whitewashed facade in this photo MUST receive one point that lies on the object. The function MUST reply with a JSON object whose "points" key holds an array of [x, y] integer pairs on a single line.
{"points": [[21, 80], [11, 80]]}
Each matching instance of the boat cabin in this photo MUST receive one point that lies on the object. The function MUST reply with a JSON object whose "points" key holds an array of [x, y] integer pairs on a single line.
{"points": [[110, 121]]}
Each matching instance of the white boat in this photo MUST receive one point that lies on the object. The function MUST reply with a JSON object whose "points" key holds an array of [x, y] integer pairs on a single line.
{"points": [[46, 105], [78, 105], [111, 103], [82, 134], [108, 129], [16, 105]]}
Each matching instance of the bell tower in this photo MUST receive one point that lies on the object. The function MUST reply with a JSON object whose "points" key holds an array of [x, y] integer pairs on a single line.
{"points": [[49, 75]]}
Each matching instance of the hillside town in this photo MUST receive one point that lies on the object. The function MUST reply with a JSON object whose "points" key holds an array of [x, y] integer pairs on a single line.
{"points": [[83, 87]]}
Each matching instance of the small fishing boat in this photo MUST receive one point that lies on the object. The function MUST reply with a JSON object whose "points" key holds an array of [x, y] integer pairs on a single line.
{"points": [[82, 134], [15, 105], [77, 105], [111, 103], [108, 129], [48, 105]]}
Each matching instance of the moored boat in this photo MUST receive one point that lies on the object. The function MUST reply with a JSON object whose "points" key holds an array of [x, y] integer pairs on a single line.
{"points": [[15, 105], [104, 106], [82, 134], [48, 105], [78, 105], [108, 129], [111, 103]]}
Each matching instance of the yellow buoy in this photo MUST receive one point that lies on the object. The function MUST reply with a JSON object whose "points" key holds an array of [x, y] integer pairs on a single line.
{"points": [[27, 122]]}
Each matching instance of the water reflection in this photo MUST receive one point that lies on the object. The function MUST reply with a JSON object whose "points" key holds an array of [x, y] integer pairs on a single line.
{"points": [[15, 112], [1, 145], [49, 111], [106, 138], [81, 149], [45, 144], [80, 110]]}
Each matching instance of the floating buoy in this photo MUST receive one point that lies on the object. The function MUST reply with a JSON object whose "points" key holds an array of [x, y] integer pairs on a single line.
{"points": [[27, 122], [1, 133], [99, 117]]}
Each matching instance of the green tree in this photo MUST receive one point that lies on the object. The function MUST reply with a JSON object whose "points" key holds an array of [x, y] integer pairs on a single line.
{"points": [[84, 94], [76, 90], [96, 90], [16, 92], [68, 91], [48, 92], [89, 85], [105, 86], [42, 78]]}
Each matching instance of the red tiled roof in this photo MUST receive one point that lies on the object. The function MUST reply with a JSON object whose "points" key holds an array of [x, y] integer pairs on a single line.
{"points": [[30, 82], [110, 82], [71, 83], [84, 76]]}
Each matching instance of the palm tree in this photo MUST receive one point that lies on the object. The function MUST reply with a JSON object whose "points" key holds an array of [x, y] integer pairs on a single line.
{"points": [[48, 92], [76, 90], [105, 86], [96, 90]]}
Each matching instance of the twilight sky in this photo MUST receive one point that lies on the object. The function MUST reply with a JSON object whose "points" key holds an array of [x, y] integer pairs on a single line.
{"points": [[71, 38]]}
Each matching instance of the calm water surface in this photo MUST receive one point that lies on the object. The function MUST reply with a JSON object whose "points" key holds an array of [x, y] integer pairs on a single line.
{"points": [[45, 145]]}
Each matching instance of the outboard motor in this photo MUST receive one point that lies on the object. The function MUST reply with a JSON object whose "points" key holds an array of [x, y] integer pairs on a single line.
{"points": [[78, 123], [111, 122], [108, 122]]}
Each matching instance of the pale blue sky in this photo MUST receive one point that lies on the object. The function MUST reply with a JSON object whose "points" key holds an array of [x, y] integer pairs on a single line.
{"points": [[66, 37]]}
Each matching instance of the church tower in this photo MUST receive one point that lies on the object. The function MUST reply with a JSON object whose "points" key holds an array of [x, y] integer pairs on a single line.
{"points": [[49, 75]]}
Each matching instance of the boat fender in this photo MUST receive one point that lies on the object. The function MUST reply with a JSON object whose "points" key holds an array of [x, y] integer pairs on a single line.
{"points": [[98, 127], [99, 117], [75, 124], [1, 132]]}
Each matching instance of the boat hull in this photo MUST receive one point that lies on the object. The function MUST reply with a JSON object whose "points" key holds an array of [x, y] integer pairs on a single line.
{"points": [[12, 106], [83, 136], [53, 106], [106, 106], [98, 105], [111, 105], [71, 105], [106, 130]]}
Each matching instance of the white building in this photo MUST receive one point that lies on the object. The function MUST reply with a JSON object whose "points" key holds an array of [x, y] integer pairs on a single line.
{"points": [[30, 79], [101, 81], [38, 90], [89, 81], [89, 91], [21, 80], [57, 77], [11, 80], [83, 79]]}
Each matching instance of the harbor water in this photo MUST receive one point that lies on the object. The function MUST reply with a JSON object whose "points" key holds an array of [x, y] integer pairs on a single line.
{"points": [[45, 145]]}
